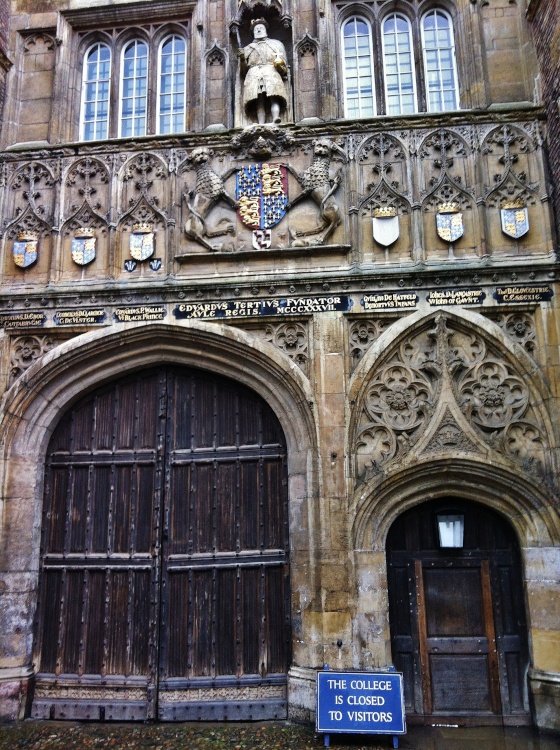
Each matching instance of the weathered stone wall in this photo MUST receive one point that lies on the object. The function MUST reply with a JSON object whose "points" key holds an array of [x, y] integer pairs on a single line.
{"points": [[545, 20], [314, 315]]}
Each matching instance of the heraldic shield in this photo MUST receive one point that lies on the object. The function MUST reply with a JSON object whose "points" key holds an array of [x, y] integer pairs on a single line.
{"points": [[515, 219], [26, 249], [385, 225], [142, 241], [83, 247], [262, 193], [449, 222]]}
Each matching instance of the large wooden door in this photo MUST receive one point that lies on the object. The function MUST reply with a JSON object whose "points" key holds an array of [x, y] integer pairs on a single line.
{"points": [[164, 589], [458, 628]]}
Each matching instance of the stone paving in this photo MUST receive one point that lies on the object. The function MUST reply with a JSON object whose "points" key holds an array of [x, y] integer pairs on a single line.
{"points": [[34, 735]]}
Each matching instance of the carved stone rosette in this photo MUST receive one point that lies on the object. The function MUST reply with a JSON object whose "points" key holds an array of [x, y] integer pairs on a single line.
{"points": [[448, 389]]}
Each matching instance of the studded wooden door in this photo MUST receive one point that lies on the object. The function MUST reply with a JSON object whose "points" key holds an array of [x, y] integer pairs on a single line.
{"points": [[458, 629], [164, 587]]}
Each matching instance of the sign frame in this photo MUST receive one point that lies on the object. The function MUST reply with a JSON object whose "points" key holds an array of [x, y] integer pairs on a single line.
{"points": [[365, 687]]}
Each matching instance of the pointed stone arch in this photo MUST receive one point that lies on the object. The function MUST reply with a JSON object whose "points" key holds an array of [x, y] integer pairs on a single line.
{"points": [[418, 397], [34, 404]]}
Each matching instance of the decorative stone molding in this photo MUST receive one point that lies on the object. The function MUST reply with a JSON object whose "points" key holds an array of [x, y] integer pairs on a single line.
{"points": [[447, 388], [362, 334], [25, 350], [519, 326]]}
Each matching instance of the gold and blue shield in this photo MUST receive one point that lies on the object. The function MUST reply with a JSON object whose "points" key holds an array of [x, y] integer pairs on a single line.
{"points": [[262, 194], [26, 249], [449, 222], [142, 241], [83, 247], [385, 225], [515, 219]]}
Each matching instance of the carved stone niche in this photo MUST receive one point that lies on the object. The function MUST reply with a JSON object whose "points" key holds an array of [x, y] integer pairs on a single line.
{"points": [[385, 216], [86, 200], [29, 211], [447, 390], [513, 175], [264, 53], [448, 194]]}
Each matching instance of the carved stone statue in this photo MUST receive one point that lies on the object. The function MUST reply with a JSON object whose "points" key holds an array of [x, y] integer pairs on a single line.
{"points": [[264, 71], [318, 185], [209, 189]]}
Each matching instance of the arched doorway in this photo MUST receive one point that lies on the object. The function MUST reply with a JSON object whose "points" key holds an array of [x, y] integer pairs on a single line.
{"points": [[457, 616], [164, 582]]}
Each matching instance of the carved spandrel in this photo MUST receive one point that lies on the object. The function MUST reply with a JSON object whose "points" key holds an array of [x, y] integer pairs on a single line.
{"points": [[484, 401], [519, 326], [24, 351], [363, 333]]}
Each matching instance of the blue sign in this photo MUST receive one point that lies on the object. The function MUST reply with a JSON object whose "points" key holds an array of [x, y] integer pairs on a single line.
{"points": [[360, 703]]}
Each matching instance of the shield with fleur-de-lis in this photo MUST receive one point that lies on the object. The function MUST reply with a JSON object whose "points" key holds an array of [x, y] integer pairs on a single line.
{"points": [[26, 249], [449, 222], [83, 246], [262, 194], [515, 218], [385, 225], [142, 241]]}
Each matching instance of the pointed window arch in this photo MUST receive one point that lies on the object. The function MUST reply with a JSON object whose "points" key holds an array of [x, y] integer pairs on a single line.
{"points": [[358, 74], [94, 121], [171, 107], [134, 89], [440, 66], [398, 65]]}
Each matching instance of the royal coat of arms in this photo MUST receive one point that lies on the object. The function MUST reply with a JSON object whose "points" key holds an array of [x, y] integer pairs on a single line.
{"points": [[515, 218], [83, 246], [449, 222], [26, 249], [385, 225], [142, 241], [262, 195]]}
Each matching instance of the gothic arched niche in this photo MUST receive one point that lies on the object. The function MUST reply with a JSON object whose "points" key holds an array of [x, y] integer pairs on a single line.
{"points": [[279, 31]]}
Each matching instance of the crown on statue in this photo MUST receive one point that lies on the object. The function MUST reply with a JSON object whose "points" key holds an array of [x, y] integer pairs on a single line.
{"points": [[84, 233], [142, 228], [384, 212], [257, 21], [513, 203], [449, 207], [27, 235]]}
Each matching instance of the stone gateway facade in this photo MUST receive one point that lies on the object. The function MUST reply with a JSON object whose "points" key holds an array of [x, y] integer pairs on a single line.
{"points": [[280, 371]]}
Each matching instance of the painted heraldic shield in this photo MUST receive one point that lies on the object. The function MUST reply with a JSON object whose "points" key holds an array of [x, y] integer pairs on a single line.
{"points": [[26, 248], [515, 219], [83, 250], [142, 241], [449, 222], [385, 225], [262, 193]]}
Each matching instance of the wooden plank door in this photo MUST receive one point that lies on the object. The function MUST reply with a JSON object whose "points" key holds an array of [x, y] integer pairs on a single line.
{"points": [[164, 588], [457, 641], [96, 643], [225, 610], [458, 627]]}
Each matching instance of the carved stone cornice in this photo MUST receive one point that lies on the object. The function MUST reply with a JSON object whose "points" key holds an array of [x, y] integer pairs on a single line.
{"points": [[108, 15]]}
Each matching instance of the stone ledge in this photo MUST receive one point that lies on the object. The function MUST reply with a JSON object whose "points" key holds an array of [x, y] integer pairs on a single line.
{"points": [[274, 252]]}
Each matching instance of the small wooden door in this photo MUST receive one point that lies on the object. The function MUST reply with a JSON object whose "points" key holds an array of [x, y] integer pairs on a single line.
{"points": [[457, 618], [164, 589]]}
